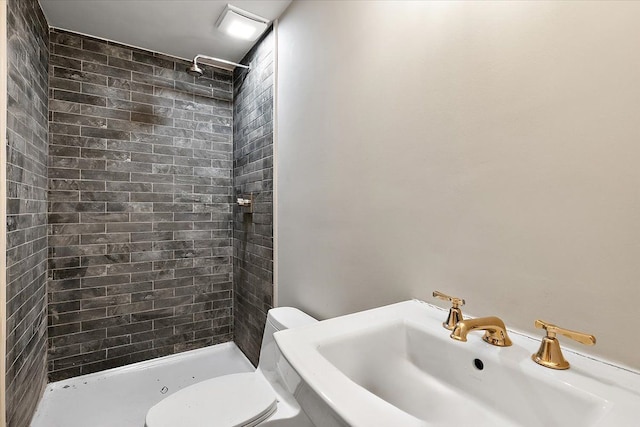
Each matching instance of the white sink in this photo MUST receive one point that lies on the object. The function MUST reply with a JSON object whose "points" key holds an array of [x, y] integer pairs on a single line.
{"points": [[397, 366]]}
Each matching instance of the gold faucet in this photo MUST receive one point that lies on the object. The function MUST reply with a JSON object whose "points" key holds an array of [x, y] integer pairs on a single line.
{"points": [[549, 354], [455, 314], [495, 331]]}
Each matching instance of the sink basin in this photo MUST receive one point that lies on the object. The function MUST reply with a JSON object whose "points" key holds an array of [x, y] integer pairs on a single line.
{"points": [[397, 366]]}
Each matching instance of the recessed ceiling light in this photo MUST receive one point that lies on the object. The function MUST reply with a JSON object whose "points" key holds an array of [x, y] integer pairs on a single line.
{"points": [[241, 24]]}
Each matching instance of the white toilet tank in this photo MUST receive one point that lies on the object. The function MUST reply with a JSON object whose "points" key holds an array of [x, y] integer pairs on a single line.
{"points": [[279, 319]]}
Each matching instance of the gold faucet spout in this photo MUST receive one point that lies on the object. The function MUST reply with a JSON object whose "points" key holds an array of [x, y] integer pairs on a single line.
{"points": [[495, 330]]}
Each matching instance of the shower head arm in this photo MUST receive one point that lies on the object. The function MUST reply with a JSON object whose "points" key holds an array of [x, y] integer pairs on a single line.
{"points": [[222, 61]]}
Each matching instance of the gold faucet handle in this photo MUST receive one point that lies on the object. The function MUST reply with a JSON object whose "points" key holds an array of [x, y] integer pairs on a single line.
{"points": [[455, 314], [552, 330], [455, 301]]}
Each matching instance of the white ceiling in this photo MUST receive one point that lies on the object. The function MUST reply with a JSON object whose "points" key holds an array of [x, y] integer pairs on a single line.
{"points": [[181, 28]]}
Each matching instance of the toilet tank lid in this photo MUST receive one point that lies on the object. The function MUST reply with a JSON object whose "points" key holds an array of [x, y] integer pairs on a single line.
{"points": [[288, 317]]}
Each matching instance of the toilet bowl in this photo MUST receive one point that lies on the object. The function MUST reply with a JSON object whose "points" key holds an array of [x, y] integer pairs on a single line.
{"points": [[241, 400]]}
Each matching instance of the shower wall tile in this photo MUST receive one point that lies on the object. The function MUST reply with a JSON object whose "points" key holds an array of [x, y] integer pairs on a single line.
{"points": [[140, 213], [26, 256], [253, 174]]}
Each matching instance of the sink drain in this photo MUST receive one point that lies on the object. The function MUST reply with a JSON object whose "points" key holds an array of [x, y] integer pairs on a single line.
{"points": [[478, 364]]}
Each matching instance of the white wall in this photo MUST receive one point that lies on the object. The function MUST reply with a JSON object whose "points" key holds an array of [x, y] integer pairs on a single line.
{"points": [[488, 150]]}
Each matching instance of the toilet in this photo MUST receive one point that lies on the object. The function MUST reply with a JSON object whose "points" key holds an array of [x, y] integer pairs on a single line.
{"points": [[241, 400]]}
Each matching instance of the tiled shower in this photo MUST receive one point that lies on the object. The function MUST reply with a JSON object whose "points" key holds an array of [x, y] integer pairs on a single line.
{"points": [[253, 174], [139, 206], [27, 148], [129, 198]]}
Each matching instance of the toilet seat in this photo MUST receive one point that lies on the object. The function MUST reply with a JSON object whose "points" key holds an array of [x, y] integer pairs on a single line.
{"points": [[238, 400]]}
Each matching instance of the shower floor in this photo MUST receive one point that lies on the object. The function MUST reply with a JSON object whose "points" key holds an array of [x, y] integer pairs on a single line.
{"points": [[121, 397]]}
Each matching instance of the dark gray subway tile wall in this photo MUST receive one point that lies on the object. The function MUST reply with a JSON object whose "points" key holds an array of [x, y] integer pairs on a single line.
{"points": [[140, 213], [253, 173], [28, 54]]}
